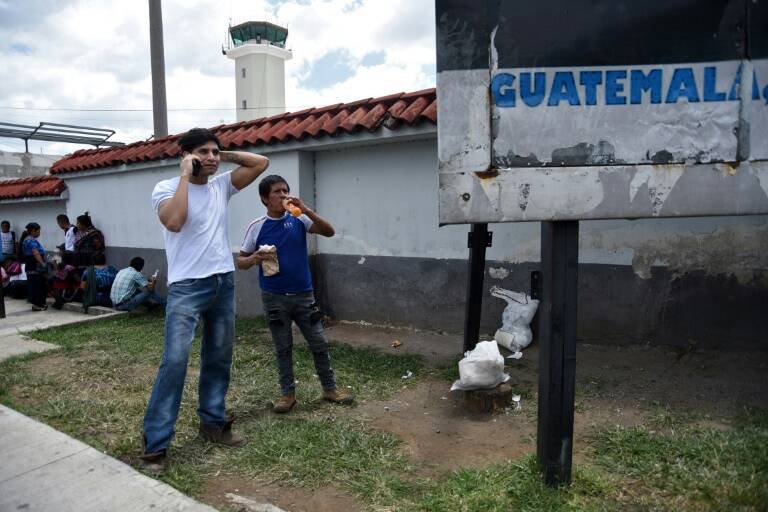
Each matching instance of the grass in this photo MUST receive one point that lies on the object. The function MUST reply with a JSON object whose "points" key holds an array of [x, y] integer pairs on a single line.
{"points": [[688, 468], [96, 389]]}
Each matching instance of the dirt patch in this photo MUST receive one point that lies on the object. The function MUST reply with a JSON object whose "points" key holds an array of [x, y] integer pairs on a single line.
{"points": [[245, 495], [440, 435]]}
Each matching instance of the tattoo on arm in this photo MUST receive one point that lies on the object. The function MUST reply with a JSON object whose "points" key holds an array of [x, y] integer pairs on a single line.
{"points": [[233, 157]]}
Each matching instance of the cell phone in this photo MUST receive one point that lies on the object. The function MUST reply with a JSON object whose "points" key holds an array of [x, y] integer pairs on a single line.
{"points": [[197, 166]]}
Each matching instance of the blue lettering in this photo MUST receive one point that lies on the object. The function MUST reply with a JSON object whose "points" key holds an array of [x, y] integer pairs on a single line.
{"points": [[590, 80], [710, 85], [640, 82], [563, 88], [501, 88], [683, 84], [613, 87], [755, 87], [534, 97]]}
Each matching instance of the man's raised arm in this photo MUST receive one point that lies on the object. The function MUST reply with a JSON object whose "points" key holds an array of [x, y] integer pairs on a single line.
{"points": [[251, 165], [173, 211]]}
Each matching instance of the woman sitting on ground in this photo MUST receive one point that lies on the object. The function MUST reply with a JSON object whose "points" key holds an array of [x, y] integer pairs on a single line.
{"points": [[33, 255], [104, 275], [88, 241]]}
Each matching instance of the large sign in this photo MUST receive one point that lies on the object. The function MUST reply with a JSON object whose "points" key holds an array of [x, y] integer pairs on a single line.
{"points": [[587, 109]]}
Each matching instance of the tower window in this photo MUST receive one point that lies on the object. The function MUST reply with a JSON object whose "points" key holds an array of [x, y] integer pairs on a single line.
{"points": [[243, 72], [245, 105]]}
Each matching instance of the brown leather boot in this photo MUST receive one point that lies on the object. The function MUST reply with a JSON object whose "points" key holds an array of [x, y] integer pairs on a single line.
{"points": [[285, 404], [222, 435], [152, 462], [338, 397]]}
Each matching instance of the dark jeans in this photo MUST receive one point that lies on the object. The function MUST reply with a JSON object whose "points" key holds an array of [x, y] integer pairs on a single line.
{"points": [[300, 308], [37, 288], [210, 300], [147, 297]]}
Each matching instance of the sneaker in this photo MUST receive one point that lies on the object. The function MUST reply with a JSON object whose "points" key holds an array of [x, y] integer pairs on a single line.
{"points": [[285, 404], [222, 435], [154, 463], [39, 308], [337, 397]]}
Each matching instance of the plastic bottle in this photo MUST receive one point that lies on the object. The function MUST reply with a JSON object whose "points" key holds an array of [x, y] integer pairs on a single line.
{"points": [[294, 210]]}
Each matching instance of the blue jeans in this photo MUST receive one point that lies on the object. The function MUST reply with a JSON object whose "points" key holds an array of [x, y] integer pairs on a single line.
{"points": [[139, 298], [210, 300], [301, 308]]}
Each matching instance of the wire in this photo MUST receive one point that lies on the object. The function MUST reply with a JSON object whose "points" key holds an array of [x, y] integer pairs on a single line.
{"points": [[68, 109]]}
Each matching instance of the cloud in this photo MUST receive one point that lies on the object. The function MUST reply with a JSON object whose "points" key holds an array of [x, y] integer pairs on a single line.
{"points": [[94, 54]]}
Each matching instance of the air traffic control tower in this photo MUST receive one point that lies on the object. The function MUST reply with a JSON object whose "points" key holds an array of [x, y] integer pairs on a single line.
{"points": [[258, 49]]}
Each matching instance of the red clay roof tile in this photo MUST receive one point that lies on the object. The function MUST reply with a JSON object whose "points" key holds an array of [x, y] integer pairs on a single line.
{"points": [[366, 114], [36, 186]]}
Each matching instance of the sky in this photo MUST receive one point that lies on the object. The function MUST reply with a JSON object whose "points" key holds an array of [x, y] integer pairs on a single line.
{"points": [[87, 62]]}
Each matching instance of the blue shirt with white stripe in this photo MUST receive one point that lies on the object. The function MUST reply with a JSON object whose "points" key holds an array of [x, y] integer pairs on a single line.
{"points": [[289, 235]]}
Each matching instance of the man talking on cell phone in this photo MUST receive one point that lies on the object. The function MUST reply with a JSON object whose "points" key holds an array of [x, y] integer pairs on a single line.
{"points": [[193, 211]]}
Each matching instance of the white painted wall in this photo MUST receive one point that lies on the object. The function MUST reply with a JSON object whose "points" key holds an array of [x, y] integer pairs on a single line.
{"points": [[43, 212], [383, 201], [120, 203]]}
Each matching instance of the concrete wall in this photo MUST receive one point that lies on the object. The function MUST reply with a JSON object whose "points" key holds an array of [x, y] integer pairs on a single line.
{"points": [[671, 280], [678, 281], [22, 165], [19, 214]]}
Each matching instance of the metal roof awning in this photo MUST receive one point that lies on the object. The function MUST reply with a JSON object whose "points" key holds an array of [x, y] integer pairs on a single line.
{"points": [[55, 132]]}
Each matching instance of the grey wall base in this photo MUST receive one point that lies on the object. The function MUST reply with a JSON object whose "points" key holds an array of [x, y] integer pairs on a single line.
{"points": [[615, 304]]}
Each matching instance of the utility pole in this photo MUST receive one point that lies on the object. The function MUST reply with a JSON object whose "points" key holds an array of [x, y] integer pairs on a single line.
{"points": [[159, 105]]}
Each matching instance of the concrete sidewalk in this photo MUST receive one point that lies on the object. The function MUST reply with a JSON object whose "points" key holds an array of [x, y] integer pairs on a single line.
{"points": [[45, 470], [42, 469]]}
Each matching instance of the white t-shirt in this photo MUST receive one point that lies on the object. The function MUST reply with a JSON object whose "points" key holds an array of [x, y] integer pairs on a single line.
{"points": [[201, 248], [69, 239]]}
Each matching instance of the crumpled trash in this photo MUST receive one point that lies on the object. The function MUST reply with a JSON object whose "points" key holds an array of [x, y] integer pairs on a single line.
{"points": [[395, 343], [407, 375], [270, 266], [515, 333], [481, 368]]}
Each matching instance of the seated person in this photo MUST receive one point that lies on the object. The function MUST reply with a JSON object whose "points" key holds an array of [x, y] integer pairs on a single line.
{"points": [[17, 282], [104, 276], [65, 281], [131, 289]]}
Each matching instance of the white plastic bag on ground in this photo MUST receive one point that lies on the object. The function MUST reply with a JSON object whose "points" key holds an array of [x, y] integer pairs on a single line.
{"points": [[515, 333], [481, 368]]}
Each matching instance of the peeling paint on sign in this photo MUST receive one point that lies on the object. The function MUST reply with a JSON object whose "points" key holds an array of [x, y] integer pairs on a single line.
{"points": [[602, 118]]}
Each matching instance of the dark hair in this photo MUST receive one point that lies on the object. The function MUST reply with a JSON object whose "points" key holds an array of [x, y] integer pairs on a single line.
{"points": [[99, 258], [197, 137], [5, 222], [32, 226], [137, 263], [265, 185], [62, 218], [85, 220]]}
